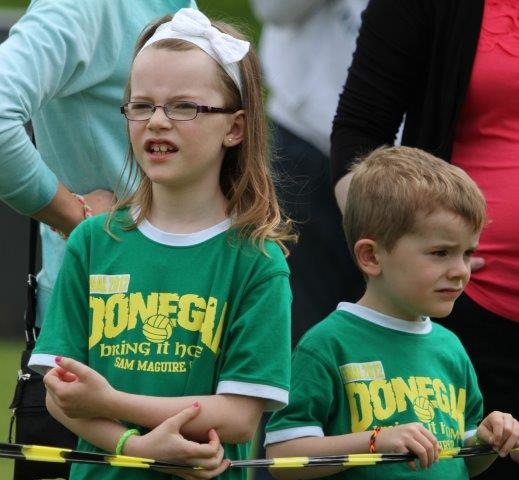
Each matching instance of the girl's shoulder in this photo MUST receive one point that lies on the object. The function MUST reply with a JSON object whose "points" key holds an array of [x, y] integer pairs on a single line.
{"points": [[268, 251]]}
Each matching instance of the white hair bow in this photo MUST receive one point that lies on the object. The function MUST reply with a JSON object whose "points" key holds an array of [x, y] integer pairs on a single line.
{"points": [[193, 26]]}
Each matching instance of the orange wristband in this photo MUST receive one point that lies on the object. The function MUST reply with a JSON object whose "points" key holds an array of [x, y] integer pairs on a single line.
{"points": [[373, 438]]}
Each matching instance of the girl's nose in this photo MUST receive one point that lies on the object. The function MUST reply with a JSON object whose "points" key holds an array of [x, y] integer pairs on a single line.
{"points": [[159, 119]]}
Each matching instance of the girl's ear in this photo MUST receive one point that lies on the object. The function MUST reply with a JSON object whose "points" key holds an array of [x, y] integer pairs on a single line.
{"points": [[236, 131], [366, 254]]}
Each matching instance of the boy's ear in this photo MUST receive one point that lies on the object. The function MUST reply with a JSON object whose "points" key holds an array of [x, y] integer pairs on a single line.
{"points": [[366, 254], [234, 135]]}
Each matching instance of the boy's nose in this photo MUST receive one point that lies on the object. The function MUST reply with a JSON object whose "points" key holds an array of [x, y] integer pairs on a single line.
{"points": [[460, 268]]}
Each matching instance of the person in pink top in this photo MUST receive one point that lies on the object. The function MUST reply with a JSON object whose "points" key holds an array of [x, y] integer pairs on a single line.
{"points": [[451, 67]]}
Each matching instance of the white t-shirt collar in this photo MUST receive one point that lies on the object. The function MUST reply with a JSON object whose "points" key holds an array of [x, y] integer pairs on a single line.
{"points": [[420, 327], [182, 239]]}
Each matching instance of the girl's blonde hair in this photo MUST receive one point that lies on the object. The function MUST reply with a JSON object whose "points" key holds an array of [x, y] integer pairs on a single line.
{"points": [[245, 177]]}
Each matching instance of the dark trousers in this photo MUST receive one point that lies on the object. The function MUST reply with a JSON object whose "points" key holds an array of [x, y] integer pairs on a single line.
{"points": [[492, 344], [322, 271]]}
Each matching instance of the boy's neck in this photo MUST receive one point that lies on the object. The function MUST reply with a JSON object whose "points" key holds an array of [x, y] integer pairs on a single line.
{"points": [[186, 212], [378, 302]]}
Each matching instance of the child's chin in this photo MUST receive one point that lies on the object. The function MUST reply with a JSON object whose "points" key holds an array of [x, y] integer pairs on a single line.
{"points": [[441, 312]]}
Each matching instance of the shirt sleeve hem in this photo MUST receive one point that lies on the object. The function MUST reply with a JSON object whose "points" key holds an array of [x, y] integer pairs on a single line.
{"points": [[292, 433], [276, 397], [40, 362]]}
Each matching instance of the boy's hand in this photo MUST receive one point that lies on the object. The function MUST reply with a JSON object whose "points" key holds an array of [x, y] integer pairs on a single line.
{"points": [[166, 443], [410, 437], [501, 431], [78, 390]]}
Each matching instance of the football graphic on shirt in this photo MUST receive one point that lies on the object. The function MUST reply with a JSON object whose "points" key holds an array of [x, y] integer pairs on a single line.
{"points": [[423, 409], [157, 328]]}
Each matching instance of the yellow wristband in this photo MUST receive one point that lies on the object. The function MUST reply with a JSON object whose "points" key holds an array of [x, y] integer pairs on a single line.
{"points": [[124, 437]]}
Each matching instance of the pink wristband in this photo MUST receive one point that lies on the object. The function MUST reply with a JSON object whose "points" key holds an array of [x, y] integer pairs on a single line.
{"points": [[87, 212]]}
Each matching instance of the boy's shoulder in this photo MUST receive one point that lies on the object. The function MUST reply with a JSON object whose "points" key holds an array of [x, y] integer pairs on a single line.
{"points": [[444, 334], [336, 324], [342, 324]]}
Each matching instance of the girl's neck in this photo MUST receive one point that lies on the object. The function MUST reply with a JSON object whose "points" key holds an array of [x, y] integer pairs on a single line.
{"points": [[183, 212]]}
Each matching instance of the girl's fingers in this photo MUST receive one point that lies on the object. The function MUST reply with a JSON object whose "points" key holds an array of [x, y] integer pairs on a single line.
{"points": [[213, 437], [208, 463], [210, 473], [177, 421], [214, 440]]}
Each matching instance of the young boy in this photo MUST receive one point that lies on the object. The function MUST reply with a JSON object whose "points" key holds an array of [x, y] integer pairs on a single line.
{"points": [[378, 375]]}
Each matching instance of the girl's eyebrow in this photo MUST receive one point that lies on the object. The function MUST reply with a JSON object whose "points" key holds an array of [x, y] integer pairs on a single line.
{"points": [[173, 98]]}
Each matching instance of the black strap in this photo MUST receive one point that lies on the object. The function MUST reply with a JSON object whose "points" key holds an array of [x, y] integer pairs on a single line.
{"points": [[31, 331]]}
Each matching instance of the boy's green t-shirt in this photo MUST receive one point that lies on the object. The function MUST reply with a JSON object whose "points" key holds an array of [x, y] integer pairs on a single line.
{"points": [[159, 315], [358, 369]]}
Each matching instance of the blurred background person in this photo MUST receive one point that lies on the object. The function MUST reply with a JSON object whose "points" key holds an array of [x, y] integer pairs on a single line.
{"points": [[305, 49], [64, 67]]}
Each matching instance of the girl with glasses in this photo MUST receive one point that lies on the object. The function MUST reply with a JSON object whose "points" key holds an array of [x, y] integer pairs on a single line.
{"points": [[179, 298]]}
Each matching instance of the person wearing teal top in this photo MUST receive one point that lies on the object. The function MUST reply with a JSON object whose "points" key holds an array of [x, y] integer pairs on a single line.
{"points": [[64, 67], [379, 375], [180, 295]]}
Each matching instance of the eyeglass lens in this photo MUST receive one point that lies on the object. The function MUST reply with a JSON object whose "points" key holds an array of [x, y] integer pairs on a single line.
{"points": [[172, 110]]}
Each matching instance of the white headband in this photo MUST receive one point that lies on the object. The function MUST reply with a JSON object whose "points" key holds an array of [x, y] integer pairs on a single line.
{"points": [[193, 26]]}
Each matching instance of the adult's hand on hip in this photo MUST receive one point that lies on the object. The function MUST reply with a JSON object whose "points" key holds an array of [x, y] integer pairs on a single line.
{"points": [[476, 263], [99, 200]]}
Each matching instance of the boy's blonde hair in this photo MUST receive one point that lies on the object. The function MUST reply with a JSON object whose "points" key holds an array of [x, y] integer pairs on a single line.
{"points": [[245, 177], [391, 185]]}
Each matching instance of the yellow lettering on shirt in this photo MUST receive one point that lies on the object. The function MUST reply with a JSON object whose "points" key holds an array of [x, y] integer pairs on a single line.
{"points": [[109, 283], [157, 315], [375, 401]]}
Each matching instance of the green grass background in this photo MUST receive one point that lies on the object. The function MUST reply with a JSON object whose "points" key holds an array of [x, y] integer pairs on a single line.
{"points": [[239, 13]]}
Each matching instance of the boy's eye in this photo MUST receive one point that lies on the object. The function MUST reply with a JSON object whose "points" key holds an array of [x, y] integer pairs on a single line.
{"points": [[439, 253]]}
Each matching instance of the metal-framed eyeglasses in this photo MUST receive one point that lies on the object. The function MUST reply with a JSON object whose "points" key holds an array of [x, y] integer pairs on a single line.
{"points": [[180, 111]]}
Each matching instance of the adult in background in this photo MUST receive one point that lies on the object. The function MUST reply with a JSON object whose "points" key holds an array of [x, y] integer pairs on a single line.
{"points": [[64, 67], [451, 66], [305, 49]]}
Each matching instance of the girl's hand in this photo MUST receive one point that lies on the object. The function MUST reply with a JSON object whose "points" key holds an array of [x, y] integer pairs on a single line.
{"points": [[410, 437], [166, 443], [500, 430], [78, 390]]}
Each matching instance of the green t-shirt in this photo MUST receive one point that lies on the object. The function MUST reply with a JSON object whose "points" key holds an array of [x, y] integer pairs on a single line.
{"points": [[358, 369], [171, 315]]}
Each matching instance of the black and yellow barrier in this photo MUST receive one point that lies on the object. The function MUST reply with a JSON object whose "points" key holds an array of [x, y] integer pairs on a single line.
{"points": [[63, 455]]}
